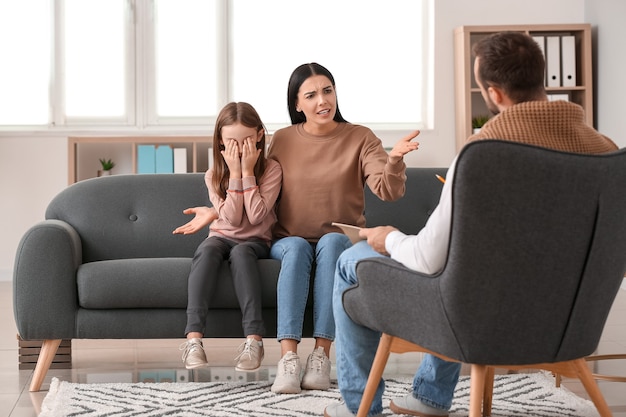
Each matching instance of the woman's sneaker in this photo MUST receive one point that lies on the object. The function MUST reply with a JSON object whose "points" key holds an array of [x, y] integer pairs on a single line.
{"points": [[288, 375], [317, 372], [193, 355], [251, 354]]}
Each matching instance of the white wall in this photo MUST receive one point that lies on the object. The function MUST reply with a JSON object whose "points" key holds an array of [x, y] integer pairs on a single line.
{"points": [[34, 169], [607, 18]]}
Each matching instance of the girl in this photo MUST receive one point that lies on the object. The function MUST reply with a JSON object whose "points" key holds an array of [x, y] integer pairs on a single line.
{"points": [[243, 187]]}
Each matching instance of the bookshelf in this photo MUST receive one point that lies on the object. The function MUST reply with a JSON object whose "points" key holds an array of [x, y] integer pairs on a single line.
{"points": [[84, 153], [468, 99]]}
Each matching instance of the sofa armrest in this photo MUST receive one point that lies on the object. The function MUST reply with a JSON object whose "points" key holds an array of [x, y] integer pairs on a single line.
{"points": [[45, 297]]}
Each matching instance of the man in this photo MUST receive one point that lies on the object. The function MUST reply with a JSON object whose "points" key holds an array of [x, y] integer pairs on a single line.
{"points": [[509, 69]]}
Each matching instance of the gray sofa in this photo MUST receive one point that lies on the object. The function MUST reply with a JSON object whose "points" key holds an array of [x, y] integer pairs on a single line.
{"points": [[105, 264]]}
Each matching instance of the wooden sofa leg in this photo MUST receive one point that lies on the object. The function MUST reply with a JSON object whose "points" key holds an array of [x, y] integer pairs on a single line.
{"points": [[46, 355]]}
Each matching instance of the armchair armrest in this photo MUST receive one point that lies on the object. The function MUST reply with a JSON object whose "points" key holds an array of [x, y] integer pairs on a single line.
{"points": [[45, 297], [388, 293]]}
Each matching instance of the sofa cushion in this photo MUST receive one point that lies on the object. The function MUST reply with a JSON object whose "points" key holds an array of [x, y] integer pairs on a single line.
{"points": [[159, 283]]}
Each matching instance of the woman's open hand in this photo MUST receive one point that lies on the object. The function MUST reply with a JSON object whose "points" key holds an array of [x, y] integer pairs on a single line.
{"points": [[403, 147]]}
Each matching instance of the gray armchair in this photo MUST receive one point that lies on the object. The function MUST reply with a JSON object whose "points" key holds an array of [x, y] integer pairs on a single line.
{"points": [[537, 254]]}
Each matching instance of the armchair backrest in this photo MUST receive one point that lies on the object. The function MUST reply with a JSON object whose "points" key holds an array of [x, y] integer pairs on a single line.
{"points": [[537, 251]]}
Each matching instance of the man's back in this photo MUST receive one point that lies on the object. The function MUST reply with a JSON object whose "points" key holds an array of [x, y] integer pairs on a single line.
{"points": [[558, 125]]}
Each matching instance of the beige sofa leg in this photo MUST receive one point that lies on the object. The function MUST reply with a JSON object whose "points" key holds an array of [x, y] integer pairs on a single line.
{"points": [[46, 355]]}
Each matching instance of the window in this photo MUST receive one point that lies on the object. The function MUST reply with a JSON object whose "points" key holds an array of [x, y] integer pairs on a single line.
{"points": [[93, 55], [25, 70], [186, 69], [146, 64], [375, 52]]}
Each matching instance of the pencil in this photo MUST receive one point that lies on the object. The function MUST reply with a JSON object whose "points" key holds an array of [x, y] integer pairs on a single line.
{"points": [[440, 178]]}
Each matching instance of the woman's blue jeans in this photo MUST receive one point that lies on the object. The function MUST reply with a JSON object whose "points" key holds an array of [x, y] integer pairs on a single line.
{"points": [[297, 256], [356, 345]]}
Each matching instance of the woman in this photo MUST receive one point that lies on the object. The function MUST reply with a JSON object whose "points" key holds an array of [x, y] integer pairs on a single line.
{"points": [[326, 162]]}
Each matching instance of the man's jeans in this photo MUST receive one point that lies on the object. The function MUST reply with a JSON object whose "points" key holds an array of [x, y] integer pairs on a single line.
{"points": [[356, 345], [296, 255]]}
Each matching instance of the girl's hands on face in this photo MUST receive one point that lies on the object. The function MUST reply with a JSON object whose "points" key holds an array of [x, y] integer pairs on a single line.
{"points": [[231, 157], [249, 156]]}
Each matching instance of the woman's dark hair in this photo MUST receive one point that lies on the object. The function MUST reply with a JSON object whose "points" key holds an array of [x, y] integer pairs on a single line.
{"points": [[513, 62], [231, 114], [298, 76]]}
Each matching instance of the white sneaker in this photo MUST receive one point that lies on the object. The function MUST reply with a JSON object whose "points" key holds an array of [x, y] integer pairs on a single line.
{"points": [[317, 372], [340, 410], [251, 354], [288, 375], [411, 406], [193, 355]]}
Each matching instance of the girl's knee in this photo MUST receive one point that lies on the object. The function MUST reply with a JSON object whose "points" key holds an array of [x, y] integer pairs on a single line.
{"points": [[239, 250], [206, 253]]}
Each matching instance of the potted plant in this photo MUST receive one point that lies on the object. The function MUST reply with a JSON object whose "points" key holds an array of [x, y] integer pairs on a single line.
{"points": [[107, 166], [478, 122]]}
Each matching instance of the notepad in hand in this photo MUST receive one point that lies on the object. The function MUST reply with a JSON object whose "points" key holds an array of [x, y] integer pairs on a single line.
{"points": [[351, 231]]}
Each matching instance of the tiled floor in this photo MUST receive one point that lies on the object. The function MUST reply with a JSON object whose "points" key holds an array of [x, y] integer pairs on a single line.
{"points": [[132, 360]]}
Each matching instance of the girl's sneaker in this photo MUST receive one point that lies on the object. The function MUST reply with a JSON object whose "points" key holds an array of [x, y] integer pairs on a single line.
{"points": [[251, 354], [193, 355]]}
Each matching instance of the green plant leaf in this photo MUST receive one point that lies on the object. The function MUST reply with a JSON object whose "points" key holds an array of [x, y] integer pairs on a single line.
{"points": [[107, 164]]}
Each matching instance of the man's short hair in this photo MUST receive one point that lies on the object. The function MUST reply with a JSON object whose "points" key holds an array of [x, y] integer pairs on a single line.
{"points": [[512, 61]]}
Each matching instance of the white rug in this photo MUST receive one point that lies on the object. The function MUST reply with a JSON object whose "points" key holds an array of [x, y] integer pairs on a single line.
{"points": [[514, 395]]}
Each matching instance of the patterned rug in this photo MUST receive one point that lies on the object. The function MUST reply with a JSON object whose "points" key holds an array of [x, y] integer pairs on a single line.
{"points": [[514, 395]]}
